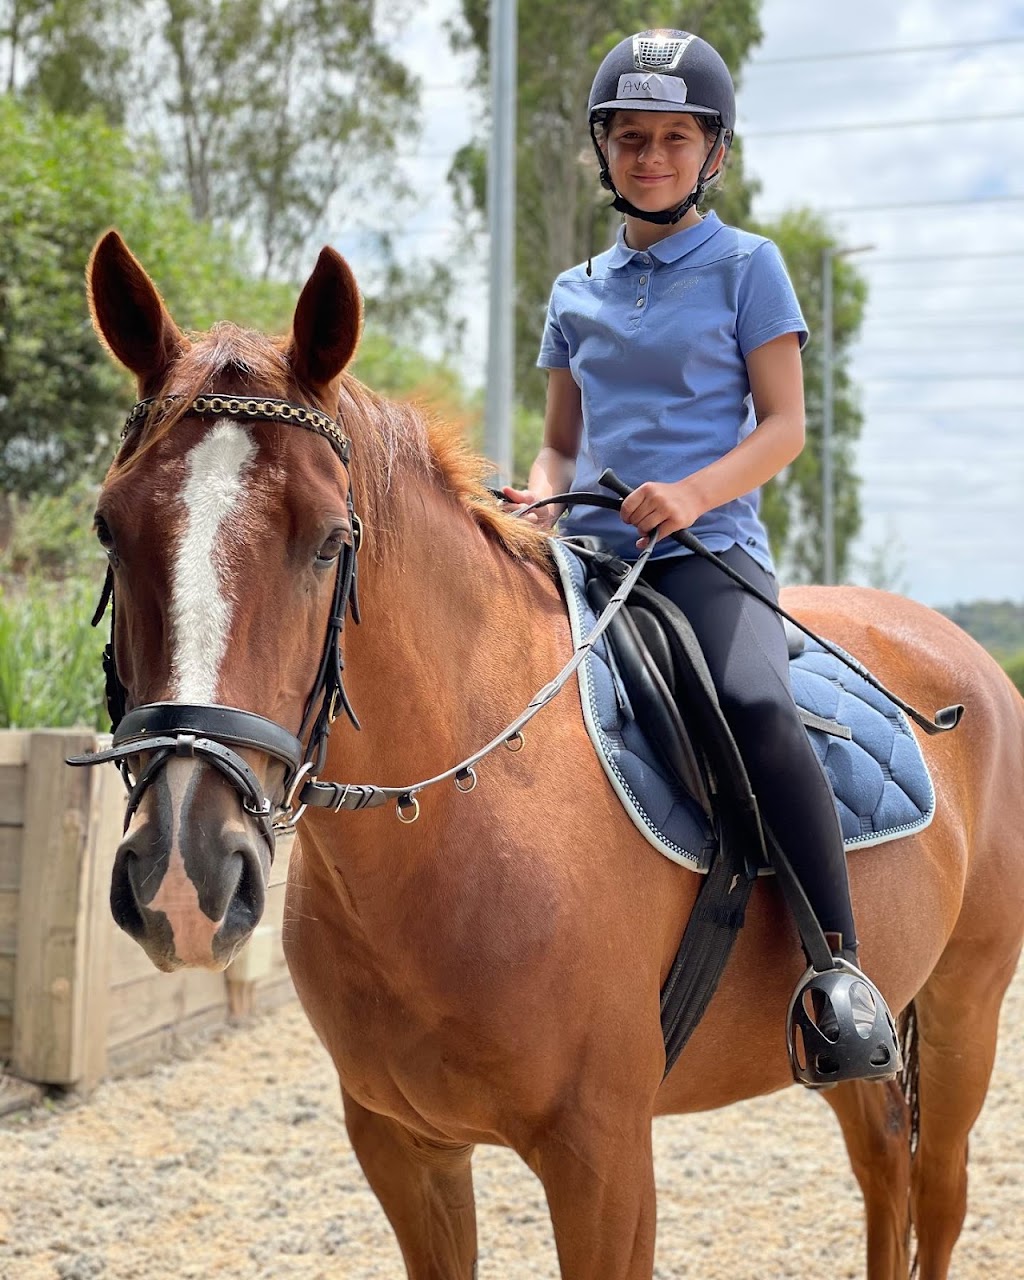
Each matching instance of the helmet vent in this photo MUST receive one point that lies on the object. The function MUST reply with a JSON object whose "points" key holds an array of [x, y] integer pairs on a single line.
{"points": [[652, 52]]}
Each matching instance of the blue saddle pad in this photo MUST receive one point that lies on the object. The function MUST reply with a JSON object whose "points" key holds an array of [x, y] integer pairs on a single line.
{"points": [[879, 779]]}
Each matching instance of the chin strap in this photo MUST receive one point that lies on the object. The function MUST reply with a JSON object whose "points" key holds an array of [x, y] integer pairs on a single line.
{"points": [[664, 217]]}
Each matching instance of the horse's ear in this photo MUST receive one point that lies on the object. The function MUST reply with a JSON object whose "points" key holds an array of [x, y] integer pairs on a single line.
{"points": [[328, 318], [129, 315]]}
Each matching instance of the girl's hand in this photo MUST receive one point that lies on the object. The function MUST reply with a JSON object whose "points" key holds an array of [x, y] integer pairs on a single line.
{"points": [[519, 498], [665, 507]]}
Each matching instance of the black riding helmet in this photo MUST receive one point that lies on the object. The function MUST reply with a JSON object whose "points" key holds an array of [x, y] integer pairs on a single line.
{"points": [[664, 71]]}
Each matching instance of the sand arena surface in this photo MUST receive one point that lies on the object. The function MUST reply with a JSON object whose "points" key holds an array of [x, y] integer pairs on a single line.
{"points": [[232, 1162]]}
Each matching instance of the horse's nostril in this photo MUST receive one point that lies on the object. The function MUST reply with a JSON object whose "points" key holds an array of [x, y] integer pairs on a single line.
{"points": [[124, 905], [247, 901]]}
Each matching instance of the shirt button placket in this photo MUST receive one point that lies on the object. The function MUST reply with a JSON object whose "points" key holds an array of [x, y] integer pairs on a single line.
{"points": [[642, 290]]}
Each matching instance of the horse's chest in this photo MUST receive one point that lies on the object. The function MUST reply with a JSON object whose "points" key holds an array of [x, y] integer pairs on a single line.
{"points": [[401, 1048]]}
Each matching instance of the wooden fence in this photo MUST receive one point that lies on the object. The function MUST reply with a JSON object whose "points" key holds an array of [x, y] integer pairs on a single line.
{"points": [[79, 1000]]}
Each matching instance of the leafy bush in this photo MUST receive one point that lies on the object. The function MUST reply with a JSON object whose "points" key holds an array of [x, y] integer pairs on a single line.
{"points": [[51, 536], [1014, 668], [50, 672]]}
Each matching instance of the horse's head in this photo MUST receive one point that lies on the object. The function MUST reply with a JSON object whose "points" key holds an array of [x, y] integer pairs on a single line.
{"points": [[228, 524]]}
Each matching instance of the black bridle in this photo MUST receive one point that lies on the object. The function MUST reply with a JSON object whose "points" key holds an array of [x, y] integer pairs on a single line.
{"points": [[211, 732]]}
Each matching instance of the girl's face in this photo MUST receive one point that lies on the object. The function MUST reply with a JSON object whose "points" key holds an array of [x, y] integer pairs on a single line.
{"points": [[655, 157]]}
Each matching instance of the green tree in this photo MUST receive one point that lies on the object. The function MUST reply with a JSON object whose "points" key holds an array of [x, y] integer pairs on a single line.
{"points": [[70, 54], [793, 501], [277, 108], [63, 181], [1014, 668]]}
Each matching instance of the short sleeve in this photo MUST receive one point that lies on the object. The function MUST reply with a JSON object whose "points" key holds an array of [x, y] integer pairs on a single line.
{"points": [[767, 305], [554, 350]]}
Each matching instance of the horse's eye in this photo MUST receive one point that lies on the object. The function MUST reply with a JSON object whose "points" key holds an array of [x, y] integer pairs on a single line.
{"points": [[106, 538], [331, 548]]}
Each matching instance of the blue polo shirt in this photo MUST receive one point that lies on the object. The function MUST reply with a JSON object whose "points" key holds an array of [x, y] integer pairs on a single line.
{"points": [[657, 341]]}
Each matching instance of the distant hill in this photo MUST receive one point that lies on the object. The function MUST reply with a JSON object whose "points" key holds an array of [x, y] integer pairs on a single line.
{"points": [[996, 624]]}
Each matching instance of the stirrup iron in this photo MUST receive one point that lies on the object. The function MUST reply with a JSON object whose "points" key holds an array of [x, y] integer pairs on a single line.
{"points": [[838, 1027]]}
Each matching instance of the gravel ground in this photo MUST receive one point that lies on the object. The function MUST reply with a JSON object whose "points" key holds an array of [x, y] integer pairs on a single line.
{"points": [[232, 1162]]}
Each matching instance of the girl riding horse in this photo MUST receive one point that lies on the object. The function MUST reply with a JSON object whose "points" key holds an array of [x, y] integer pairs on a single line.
{"points": [[674, 358]]}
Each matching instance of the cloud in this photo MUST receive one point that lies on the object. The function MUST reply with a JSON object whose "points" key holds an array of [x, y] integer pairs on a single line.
{"points": [[939, 360]]}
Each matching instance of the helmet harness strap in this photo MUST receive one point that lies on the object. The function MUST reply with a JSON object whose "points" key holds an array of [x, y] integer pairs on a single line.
{"points": [[664, 217]]}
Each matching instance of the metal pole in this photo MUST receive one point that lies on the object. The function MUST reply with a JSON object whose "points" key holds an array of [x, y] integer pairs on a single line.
{"points": [[501, 200], [828, 530]]}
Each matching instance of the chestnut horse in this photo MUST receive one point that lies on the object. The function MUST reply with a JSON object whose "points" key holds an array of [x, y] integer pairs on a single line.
{"points": [[490, 973]]}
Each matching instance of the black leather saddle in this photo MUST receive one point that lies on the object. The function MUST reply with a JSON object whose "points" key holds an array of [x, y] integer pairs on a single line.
{"points": [[651, 668]]}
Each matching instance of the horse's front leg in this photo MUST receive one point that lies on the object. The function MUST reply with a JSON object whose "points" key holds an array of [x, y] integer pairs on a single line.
{"points": [[426, 1190], [598, 1176]]}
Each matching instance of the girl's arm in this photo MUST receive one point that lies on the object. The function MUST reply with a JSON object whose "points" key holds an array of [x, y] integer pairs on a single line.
{"points": [[555, 464], [776, 384]]}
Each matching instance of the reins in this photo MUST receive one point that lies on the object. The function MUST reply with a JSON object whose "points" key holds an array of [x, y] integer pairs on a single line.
{"points": [[945, 719]]}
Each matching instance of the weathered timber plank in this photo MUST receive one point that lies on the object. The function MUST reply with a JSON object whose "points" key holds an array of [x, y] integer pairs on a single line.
{"points": [[12, 795], [10, 858], [128, 961], [48, 988], [8, 924], [14, 745], [282, 858], [134, 1056], [106, 817], [6, 986], [162, 1000]]}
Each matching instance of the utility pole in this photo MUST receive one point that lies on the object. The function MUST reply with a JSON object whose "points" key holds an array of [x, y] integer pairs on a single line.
{"points": [[828, 523], [828, 519], [501, 201]]}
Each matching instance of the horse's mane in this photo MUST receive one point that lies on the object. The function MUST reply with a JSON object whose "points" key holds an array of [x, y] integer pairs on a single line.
{"points": [[389, 437]]}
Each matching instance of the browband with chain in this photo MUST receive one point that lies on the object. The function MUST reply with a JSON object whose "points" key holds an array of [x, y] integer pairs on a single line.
{"points": [[255, 408]]}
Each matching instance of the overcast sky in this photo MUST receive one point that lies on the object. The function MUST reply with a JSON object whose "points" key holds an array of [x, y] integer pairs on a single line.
{"points": [[940, 361]]}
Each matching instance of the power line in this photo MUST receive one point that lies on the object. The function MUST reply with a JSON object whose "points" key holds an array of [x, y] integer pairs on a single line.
{"points": [[946, 284], [965, 202], [966, 410], [940, 377], [880, 124], [941, 257], [757, 63], [960, 315], [892, 51]]}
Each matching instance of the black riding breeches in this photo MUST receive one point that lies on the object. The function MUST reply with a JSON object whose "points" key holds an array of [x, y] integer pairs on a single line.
{"points": [[744, 644]]}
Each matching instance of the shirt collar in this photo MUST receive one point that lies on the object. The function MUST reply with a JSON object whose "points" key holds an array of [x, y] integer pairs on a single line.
{"points": [[671, 249]]}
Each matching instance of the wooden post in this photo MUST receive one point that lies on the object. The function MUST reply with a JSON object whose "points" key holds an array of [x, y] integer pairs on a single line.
{"points": [[106, 821], [51, 993]]}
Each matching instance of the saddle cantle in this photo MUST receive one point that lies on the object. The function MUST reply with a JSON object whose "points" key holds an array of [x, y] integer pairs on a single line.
{"points": [[634, 705]]}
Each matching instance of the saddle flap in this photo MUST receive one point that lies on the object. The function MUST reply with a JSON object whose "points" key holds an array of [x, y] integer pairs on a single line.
{"points": [[648, 676]]}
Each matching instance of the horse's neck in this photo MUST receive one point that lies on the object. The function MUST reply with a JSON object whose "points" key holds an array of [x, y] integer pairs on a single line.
{"points": [[456, 638]]}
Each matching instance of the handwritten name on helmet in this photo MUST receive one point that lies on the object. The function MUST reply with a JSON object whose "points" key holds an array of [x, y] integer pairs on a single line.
{"points": [[652, 88]]}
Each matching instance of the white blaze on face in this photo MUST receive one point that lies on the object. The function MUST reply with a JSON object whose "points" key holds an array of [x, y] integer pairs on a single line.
{"points": [[200, 606]]}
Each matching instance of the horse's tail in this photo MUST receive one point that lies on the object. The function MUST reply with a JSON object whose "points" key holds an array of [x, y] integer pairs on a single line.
{"points": [[909, 1081]]}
